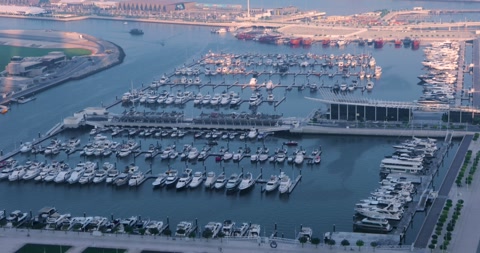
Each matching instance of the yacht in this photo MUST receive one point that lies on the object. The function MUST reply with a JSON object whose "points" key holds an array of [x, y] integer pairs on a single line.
{"points": [[214, 227], [235, 100], [390, 212], [234, 181], [32, 172], [193, 153], [254, 231], [397, 165], [185, 179], [210, 179], [100, 176], [63, 175], [206, 99], [121, 179], [285, 184], [183, 229], [112, 174], [87, 176], [247, 182], [18, 173], [227, 156], [6, 172], [374, 225], [305, 232], [225, 99], [215, 99], [26, 147], [253, 133], [272, 183], [196, 180], [198, 99], [160, 180], [221, 181], [255, 99], [241, 231], [17, 217], [52, 174], [136, 179], [172, 178], [369, 86], [154, 227], [228, 227], [299, 157]]}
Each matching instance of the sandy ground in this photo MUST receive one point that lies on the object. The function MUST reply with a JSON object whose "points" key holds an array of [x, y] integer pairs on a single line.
{"points": [[47, 39]]}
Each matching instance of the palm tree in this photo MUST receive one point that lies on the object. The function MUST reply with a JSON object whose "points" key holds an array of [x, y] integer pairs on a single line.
{"points": [[345, 243], [360, 243]]}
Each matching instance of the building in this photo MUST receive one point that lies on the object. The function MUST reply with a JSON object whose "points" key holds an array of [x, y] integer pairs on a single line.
{"points": [[21, 10], [34, 66], [155, 5]]}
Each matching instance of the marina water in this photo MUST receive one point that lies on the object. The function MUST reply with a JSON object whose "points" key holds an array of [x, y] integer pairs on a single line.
{"points": [[326, 194]]}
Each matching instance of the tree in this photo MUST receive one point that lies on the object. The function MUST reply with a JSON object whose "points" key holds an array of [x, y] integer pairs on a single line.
{"points": [[331, 242], [374, 245], [207, 233], [345, 243], [302, 240], [360, 244], [167, 232], [153, 231], [315, 241]]}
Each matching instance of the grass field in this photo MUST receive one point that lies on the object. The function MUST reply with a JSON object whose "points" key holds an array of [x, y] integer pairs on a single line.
{"points": [[6, 52], [42, 248], [103, 250]]}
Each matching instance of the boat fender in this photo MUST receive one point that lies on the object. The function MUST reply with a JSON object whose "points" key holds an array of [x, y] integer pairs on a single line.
{"points": [[273, 244]]}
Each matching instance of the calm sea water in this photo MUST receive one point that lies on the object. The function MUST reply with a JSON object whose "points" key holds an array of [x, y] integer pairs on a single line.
{"points": [[326, 195]]}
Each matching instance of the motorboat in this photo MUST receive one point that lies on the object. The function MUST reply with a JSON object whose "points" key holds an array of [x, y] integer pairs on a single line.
{"points": [[247, 182], [160, 180], [240, 231], [184, 179], [272, 183], [228, 227], [32, 172], [25, 147], [121, 179], [154, 227], [369, 86], [172, 178], [234, 181], [221, 181], [210, 179], [227, 156], [305, 232], [374, 225], [193, 154], [77, 173], [87, 176], [197, 179], [183, 229], [136, 179], [299, 157], [100, 176], [16, 217], [285, 183]]}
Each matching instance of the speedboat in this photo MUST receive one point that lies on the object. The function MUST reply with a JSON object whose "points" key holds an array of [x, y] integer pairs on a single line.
{"points": [[17, 217], [221, 181], [234, 181], [252, 134], [285, 184], [227, 156], [210, 180], [136, 179], [193, 154], [299, 157], [185, 179], [160, 180], [272, 184], [247, 182], [196, 180], [172, 178]]}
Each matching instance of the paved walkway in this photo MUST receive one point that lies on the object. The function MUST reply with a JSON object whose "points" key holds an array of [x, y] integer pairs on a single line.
{"points": [[466, 235]]}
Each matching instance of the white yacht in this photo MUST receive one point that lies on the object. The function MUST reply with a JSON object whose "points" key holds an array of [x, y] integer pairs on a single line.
{"points": [[136, 179], [305, 232], [254, 231], [112, 174], [227, 156], [215, 99], [389, 212], [32, 172], [285, 184], [183, 229], [77, 173], [17, 174], [252, 134], [240, 231], [214, 227], [160, 180], [255, 99], [369, 85], [247, 182], [221, 181], [63, 175], [210, 179], [396, 165], [26, 147], [198, 99], [375, 225], [228, 227], [172, 178], [196, 180], [100, 176], [235, 99], [225, 99], [234, 181], [193, 153], [87, 176], [272, 183], [184, 179]]}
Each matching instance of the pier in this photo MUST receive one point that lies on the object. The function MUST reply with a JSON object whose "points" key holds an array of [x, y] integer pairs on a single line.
{"points": [[476, 73], [428, 225]]}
